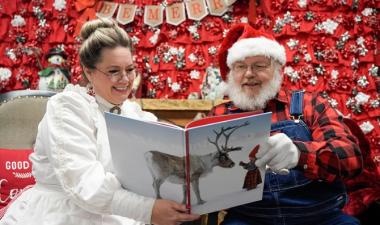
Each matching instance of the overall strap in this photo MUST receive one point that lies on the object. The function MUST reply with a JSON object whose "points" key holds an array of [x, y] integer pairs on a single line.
{"points": [[296, 105]]}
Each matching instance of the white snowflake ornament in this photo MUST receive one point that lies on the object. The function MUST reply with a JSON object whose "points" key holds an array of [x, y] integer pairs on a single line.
{"points": [[18, 21], [5, 74], [363, 82], [366, 127], [59, 5], [176, 87], [361, 98], [194, 74]]}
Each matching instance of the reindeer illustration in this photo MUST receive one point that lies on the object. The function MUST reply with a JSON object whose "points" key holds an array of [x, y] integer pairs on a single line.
{"points": [[166, 167]]}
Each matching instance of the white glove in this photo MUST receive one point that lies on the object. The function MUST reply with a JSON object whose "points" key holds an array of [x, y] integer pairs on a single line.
{"points": [[278, 153]]}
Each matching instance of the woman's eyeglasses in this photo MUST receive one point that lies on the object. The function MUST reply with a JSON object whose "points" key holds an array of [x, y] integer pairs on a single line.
{"points": [[117, 74]]}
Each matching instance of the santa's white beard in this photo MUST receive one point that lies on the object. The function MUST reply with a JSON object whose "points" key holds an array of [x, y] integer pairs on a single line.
{"points": [[245, 102]]}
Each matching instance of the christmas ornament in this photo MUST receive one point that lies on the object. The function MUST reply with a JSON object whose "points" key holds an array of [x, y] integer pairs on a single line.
{"points": [[55, 77]]}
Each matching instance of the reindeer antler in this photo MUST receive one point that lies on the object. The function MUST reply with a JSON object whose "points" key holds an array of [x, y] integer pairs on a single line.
{"points": [[216, 139], [227, 137]]}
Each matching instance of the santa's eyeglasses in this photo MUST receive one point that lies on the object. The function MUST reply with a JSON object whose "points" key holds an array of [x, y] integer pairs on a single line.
{"points": [[240, 67]]}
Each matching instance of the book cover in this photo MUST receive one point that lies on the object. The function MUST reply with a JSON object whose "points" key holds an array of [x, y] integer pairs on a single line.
{"points": [[207, 165]]}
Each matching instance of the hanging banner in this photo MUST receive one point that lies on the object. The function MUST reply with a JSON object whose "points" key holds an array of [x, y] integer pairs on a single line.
{"points": [[153, 15], [196, 9], [107, 10], [175, 14], [126, 13], [217, 7], [229, 2]]}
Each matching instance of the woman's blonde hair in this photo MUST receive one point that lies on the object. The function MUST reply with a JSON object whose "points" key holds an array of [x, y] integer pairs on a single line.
{"points": [[99, 34]]}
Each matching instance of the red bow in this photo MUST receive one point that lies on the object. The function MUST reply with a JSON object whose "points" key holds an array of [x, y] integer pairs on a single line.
{"points": [[88, 9]]}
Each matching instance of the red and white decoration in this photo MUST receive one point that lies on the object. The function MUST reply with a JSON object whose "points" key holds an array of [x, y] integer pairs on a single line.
{"points": [[331, 47], [15, 173]]}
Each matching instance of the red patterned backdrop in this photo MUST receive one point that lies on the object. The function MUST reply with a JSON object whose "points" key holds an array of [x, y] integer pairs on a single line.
{"points": [[331, 47]]}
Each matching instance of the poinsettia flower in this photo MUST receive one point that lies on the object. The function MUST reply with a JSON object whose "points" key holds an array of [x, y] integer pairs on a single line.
{"points": [[366, 127], [18, 21]]}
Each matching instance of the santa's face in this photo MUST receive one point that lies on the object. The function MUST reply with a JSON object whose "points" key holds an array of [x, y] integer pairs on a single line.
{"points": [[253, 82], [252, 74]]}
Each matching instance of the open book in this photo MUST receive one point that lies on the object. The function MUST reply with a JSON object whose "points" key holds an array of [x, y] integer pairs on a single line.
{"points": [[203, 165]]}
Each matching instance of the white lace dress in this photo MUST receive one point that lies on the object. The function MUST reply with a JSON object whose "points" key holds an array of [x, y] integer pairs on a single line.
{"points": [[75, 184]]}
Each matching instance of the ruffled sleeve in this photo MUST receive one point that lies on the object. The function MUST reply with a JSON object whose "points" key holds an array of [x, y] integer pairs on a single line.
{"points": [[70, 132], [133, 110]]}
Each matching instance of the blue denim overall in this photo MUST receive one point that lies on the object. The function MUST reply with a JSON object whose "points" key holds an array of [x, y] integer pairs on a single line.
{"points": [[293, 198]]}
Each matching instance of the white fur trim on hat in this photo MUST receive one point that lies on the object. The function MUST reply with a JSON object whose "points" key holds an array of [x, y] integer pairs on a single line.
{"points": [[256, 46]]}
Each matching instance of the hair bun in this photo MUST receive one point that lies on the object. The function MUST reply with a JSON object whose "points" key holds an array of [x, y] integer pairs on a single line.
{"points": [[91, 26]]}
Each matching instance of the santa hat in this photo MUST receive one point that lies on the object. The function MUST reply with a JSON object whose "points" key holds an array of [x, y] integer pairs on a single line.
{"points": [[254, 151], [56, 51], [243, 41]]}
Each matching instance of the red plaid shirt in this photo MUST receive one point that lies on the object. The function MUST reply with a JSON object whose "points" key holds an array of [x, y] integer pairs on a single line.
{"points": [[332, 154]]}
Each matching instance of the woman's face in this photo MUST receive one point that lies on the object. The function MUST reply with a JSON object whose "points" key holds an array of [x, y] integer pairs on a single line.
{"points": [[113, 76]]}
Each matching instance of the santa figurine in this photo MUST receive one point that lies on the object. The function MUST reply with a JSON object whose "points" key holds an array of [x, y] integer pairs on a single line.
{"points": [[56, 76]]}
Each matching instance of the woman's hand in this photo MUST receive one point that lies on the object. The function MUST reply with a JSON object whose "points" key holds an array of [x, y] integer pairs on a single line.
{"points": [[167, 212]]}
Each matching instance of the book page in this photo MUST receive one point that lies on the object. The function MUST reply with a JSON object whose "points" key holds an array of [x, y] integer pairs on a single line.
{"points": [[216, 119], [141, 151], [216, 150]]}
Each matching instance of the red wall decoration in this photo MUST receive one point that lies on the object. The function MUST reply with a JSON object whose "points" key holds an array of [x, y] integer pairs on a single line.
{"points": [[332, 47]]}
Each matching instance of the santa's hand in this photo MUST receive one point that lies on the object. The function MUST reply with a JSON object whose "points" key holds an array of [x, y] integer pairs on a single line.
{"points": [[278, 153]]}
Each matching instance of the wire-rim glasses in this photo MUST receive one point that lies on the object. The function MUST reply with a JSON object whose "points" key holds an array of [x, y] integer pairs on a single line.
{"points": [[118, 74], [241, 67]]}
